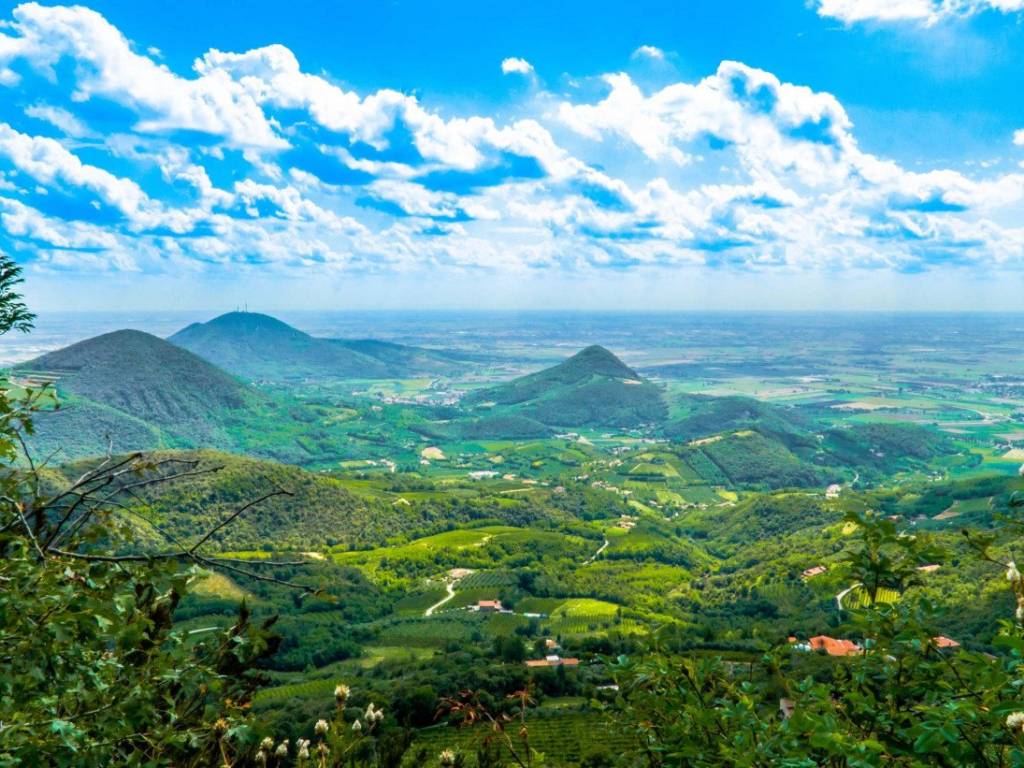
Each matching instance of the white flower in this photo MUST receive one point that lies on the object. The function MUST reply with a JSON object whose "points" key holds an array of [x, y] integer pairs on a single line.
{"points": [[341, 692], [321, 727], [282, 749], [261, 757], [447, 757], [1012, 574], [303, 745], [357, 726], [267, 744], [1015, 721]]}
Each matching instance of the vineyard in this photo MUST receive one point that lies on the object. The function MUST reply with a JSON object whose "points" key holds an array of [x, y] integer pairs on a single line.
{"points": [[859, 598], [433, 632], [564, 739], [487, 579]]}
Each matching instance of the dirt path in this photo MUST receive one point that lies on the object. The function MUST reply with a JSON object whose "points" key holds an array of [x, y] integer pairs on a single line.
{"points": [[451, 593], [844, 593], [597, 554]]}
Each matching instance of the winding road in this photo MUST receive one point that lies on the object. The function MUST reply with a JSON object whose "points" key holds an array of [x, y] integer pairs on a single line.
{"points": [[450, 586]]}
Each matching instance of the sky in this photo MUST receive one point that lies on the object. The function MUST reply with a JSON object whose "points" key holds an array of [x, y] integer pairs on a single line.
{"points": [[797, 154]]}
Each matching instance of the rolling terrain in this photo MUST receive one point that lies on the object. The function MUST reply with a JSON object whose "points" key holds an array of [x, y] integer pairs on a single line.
{"points": [[595, 507]]}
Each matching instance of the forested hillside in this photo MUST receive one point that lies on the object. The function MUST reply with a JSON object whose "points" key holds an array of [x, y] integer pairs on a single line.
{"points": [[591, 388]]}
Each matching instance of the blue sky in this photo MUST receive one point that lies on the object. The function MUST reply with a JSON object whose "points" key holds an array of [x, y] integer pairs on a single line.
{"points": [[804, 154]]}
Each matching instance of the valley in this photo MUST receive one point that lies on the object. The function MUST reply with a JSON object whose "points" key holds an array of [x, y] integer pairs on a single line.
{"points": [[518, 517]]}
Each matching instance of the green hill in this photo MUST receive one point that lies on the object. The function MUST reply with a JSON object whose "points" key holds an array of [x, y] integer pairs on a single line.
{"points": [[322, 511], [591, 388], [707, 416], [137, 388], [258, 346]]}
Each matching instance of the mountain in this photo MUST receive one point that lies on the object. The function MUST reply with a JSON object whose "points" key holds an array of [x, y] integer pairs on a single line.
{"points": [[591, 388], [259, 346], [138, 388]]}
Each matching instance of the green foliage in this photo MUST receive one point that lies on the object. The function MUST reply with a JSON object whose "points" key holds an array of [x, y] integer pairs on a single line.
{"points": [[752, 458], [92, 669], [95, 673], [903, 700]]}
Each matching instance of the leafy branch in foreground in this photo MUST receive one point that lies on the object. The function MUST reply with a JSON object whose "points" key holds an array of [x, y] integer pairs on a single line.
{"points": [[93, 670]]}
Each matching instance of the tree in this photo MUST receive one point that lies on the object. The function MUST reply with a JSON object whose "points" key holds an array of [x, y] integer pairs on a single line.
{"points": [[92, 668]]}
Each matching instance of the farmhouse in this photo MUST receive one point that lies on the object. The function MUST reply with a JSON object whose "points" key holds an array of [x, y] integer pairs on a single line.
{"points": [[930, 568], [488, 606], [810, 573], [552, 661], [945, 642], [830, 645]]}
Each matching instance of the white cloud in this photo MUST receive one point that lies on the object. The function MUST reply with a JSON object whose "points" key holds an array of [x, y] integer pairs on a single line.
{"points": [[649, 52], [107, 66], [1018, 137], [738, 168], [517, 66], [59, 118], [48, 162], [925, 11]]}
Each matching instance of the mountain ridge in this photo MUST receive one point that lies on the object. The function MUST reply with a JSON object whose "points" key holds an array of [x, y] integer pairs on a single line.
{"points": [[259, 346]]}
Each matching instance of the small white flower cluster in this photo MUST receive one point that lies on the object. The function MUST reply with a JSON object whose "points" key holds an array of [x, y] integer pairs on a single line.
{"points": [[303, 749], [372, 715], [341, 692], [1017, 585], [446, 758], [264, 751], [321, 728], [1015, 721]]}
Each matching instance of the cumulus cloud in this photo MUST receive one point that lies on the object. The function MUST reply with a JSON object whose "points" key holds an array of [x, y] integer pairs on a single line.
{"points": [[516, 65], [251, 161], [925, 11]]}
